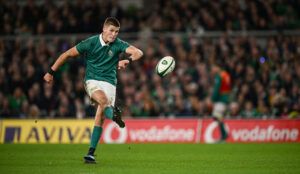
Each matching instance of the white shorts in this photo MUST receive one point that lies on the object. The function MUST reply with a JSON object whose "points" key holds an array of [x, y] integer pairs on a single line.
{"points": [[219, 110], [109, 90]]}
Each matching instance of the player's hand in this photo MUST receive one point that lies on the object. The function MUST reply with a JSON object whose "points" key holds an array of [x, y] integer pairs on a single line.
{"points": [[122, 64], [48, 78]]}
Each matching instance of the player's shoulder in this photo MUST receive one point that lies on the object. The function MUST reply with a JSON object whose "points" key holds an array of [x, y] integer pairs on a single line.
{"points": [[120, 41], [90, 41], [93, 38]]}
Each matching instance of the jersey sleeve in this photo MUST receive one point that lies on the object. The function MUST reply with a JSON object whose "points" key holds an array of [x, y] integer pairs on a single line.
{"points": [[83, 46], [123, 45]]}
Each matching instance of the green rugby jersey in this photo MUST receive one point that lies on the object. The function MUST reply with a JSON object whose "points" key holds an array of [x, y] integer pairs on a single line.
{"points": [[101, 58]]}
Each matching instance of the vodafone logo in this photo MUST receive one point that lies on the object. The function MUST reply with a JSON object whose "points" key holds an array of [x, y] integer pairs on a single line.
{"points": [[113, 134], [269, 133], [162, 134], [209, 136], [113, 129]]}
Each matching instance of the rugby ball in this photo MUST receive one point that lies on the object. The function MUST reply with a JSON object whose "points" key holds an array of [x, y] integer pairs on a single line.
{"points": [[165, 66]]}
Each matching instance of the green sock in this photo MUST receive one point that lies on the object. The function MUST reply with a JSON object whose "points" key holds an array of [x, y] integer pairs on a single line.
{"points": [[95, 136], [223, 131], [109, 112]]}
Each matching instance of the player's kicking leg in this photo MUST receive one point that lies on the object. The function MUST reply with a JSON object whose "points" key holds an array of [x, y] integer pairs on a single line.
{"points": [[117, 117], [114, 113], [108, 112]]}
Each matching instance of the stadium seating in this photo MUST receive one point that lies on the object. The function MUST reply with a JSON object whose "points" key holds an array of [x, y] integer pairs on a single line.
{"points": [[264, 65]]}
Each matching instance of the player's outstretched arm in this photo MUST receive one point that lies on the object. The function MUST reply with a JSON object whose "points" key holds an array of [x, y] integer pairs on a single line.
{"points": [[72, 52], [134, 53]]}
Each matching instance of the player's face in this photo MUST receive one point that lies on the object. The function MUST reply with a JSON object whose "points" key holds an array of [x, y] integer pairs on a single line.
{"points": [[110, 33]]}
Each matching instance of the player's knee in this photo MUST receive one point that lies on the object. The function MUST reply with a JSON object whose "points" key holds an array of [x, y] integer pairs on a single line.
{"points": [[102, 101]]}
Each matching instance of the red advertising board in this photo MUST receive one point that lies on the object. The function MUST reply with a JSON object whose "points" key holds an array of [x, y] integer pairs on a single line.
{"points": [[153, 130], [253, 131], [149, 131]]}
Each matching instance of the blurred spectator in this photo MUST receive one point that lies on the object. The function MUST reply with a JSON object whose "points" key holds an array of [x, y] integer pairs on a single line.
{"points": [[16, 100], [28, 17], [234, 110], [5, 111], [249, 111], [34, 112]]}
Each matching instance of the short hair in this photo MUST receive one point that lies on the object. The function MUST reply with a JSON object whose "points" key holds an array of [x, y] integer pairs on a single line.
{"points": [[112, 21]]}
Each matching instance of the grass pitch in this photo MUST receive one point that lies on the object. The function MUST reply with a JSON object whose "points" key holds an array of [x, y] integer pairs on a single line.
{"points": [[152, 158]]}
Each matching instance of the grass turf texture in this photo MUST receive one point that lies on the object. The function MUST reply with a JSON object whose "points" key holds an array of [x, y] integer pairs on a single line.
{"points": [[152, 158]]}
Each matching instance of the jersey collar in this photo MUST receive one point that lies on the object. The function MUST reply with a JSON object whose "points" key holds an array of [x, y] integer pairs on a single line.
{"points": [[102, 41]]}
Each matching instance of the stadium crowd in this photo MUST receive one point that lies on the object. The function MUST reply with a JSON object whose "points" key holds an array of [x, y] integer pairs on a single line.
{"points": [[265, 75], [34, 17]]}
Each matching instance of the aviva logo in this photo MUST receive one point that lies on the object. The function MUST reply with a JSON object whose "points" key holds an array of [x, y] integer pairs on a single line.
{"points": [[46, 131], [12, 134]]}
